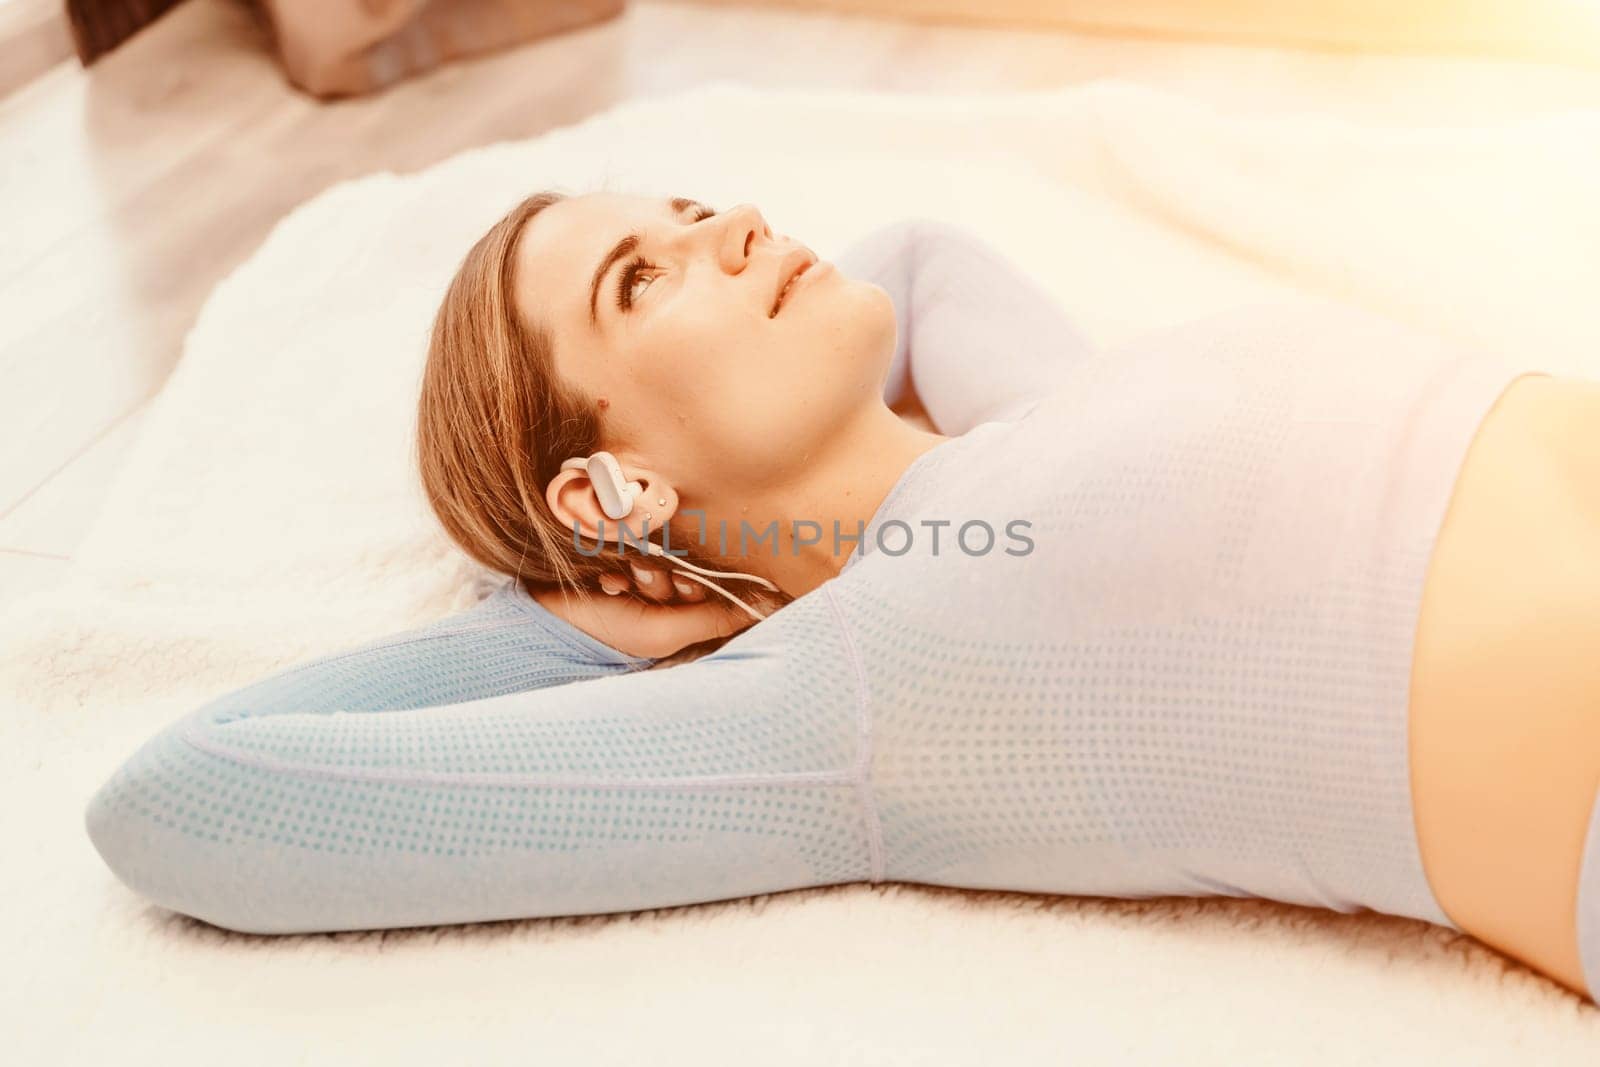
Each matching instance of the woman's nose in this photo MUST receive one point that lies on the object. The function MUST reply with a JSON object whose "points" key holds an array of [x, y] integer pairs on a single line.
{"points": [[745, 225]]}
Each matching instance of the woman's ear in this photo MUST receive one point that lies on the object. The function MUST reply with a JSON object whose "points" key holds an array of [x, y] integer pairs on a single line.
{"points": [[573, 500]]}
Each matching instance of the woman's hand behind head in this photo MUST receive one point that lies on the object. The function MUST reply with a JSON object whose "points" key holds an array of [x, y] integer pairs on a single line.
{"points": [[649, 614]]}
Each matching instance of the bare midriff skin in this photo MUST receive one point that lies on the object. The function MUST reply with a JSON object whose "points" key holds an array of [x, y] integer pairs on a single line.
{"points": [[1505, 686]]}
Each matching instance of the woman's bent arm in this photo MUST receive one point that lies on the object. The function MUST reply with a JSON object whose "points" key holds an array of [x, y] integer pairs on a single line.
{"points": [[293, 807], [977, 338]]}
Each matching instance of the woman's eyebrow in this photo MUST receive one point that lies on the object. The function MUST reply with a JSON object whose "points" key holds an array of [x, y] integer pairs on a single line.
{"points": [[678, 204]]}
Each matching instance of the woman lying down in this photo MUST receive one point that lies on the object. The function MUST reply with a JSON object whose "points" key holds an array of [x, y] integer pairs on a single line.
{"points": [[1291, 602]]}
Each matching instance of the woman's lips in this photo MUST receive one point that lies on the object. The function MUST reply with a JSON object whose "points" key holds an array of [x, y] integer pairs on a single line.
{"points": [[797, 277], [793, 262]]}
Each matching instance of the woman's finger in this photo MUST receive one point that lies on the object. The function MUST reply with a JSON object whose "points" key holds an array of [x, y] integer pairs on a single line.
{"points": [[688, 590], [652, 584]]}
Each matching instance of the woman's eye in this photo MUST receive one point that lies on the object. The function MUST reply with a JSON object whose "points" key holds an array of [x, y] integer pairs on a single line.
{"points": [[628, 279], [633, 289], [634, 272]]}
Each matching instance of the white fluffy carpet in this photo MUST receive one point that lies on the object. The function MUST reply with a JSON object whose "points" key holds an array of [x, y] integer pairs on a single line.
{"points": [[269, 512]]}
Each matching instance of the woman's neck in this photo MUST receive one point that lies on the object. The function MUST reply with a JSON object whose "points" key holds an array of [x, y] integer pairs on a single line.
{"points": [[844, 485]]}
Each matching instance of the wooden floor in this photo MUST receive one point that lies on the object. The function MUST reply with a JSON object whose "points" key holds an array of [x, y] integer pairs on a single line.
{"points": [[129, 189]]}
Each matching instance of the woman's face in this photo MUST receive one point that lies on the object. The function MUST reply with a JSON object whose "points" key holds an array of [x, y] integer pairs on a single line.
{"points": [[676, 331]]}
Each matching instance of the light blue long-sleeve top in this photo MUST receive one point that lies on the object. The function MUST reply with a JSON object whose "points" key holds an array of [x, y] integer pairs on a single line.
{"points": [[1193, 680]]}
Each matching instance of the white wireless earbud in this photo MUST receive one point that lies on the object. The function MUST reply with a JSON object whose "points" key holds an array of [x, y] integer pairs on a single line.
{"points": [[615, 493]]}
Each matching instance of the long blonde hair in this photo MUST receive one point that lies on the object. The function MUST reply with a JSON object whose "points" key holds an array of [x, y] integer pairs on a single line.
{"points": [[494, 423]]}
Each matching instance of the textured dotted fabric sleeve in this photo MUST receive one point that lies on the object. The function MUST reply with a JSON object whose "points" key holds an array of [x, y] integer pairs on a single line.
{"points": [[976, 338], [507, 643], [446, 775]]}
